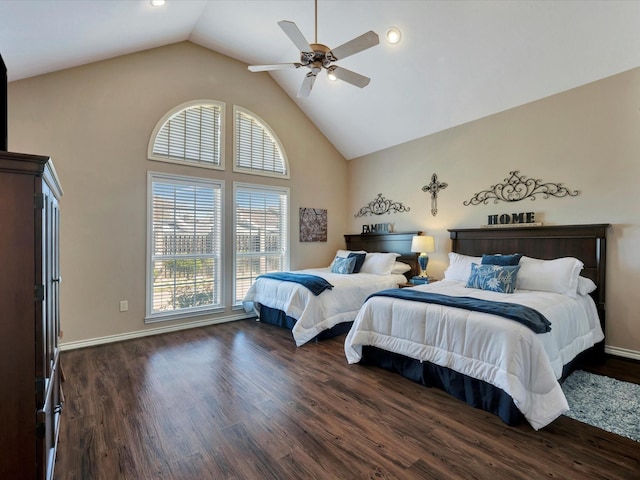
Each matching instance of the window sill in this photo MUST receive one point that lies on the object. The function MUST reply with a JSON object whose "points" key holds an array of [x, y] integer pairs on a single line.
{"points": [[167, 317]]}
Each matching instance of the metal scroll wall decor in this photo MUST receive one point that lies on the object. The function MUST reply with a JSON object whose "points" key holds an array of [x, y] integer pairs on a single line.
{"points": [[433, 188], [518, 187], [380, 206]]}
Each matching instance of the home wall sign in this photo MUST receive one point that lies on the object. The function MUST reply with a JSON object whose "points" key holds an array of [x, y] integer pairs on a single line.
{"points": [[380, 206], [518, 187], [433, 188], [524, 219], [313, 224]]}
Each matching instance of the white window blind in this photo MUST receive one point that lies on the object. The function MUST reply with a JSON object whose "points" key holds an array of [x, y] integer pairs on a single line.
{"points": [[257, 149], [261, 226], [185, 245], [191, 133]]}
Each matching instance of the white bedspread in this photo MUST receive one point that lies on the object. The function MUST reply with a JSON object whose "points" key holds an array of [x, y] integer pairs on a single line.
{"points": [[315, 314], [487, 347]]}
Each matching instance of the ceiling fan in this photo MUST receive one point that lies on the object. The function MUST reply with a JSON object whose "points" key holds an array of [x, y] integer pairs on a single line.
{"points": [[316, 56]]}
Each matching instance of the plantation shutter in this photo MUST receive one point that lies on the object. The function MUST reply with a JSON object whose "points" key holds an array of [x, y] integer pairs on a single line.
{"points": [[186, 244], [192, 135], [261, 227], [257, 149]]}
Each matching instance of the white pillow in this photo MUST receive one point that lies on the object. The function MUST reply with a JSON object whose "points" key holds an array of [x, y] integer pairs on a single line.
{"points": [[379, 263], [559, 275], [344, 254], [459, 268], [585, 286], [400, 268]]}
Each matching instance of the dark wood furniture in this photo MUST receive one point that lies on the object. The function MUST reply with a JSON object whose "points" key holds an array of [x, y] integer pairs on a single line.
{"points": [[585, 242], [398, 242], [31, 400], [371, 242]]}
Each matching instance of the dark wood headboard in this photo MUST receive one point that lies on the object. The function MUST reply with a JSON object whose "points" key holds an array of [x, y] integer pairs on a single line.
{"points": [[587, 243], [387, 242]]}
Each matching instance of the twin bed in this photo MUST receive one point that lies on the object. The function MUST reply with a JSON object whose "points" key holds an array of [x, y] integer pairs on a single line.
{"points": [[315, 317], [498, 364]]}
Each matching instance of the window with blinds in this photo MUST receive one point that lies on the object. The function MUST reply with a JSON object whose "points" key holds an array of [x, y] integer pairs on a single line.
{"points": [[184, 246], [257, 149], [261, 218], [191, 133]]}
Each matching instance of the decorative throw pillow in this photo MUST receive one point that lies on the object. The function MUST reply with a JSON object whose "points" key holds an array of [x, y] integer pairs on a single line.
{"points": [[512, 259], [359, 260], [495, 278], [345, 254], [459, 267], [343, 265]]}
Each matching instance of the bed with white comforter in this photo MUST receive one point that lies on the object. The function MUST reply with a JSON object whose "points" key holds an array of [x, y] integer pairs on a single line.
{"points": [[315, 314], [499, 351]]}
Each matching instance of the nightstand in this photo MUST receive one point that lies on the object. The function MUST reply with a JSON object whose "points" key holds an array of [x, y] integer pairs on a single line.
{"points": [[421, 280]]}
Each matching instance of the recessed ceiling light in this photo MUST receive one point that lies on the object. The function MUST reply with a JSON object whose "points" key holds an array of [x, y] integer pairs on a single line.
{"points": [[393, 35], [157, 3]]}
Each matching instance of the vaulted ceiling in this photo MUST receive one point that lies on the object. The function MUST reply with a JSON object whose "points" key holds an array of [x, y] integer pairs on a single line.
{"points": [[458, 60]]}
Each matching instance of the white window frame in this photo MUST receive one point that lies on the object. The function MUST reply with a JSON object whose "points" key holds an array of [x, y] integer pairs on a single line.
{"points": [[150, 315], [151, 155], [268, 131], [240, 186]]}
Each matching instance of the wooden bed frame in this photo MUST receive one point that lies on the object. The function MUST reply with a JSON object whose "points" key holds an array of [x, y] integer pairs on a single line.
{"points": [[587, 243], [398, 242], [584, 242], [371, 242]]}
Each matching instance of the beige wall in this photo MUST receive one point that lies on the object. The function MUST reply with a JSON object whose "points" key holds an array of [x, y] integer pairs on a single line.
{"points": [[587, 138], [95, 122]]}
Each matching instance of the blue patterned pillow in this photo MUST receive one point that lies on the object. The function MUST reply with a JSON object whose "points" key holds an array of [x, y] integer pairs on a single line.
{"points": [[495, 278], [513, 259], [359, 260], [343, 265]]}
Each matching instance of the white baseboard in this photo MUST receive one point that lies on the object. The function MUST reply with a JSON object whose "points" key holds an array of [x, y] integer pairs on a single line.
{"points": [[151, 331], [622, 352]]}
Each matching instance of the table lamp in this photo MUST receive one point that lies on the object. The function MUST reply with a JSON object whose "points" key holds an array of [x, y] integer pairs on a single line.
{"points": [[423, 244]]}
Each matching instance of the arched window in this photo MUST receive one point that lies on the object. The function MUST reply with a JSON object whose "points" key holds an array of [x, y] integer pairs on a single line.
{"points": [[192, 134], [257, 149]]}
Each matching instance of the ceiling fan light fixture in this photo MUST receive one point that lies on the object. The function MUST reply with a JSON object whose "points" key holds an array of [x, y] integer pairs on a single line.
{"points": [[393, 35], [331, 75]]}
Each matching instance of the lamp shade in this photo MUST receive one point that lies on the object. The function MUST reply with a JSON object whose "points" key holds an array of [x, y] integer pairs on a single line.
{"points": [[423, 244]]}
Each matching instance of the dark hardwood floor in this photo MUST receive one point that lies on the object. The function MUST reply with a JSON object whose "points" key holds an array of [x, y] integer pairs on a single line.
{"points": [[240, 401]]}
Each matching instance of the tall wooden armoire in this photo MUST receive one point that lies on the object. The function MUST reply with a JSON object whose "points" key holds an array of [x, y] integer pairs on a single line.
{"points": [[31, 396]]}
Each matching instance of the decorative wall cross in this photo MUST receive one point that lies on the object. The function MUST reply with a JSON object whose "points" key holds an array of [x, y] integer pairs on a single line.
{"points": [[433, 188]]}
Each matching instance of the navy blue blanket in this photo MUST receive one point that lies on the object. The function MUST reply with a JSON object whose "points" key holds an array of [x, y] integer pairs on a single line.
{"points": [[527, 316], [315, 284]]}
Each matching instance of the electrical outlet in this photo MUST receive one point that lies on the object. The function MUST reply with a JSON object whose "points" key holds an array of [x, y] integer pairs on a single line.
{"points": [[124, 305]]}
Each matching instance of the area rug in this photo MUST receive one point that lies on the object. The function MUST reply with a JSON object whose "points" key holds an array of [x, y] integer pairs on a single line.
{"points": [[604, 402]]}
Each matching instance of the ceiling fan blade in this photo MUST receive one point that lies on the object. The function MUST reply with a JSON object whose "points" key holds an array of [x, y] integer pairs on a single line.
{"points": [[307, 84], [275, 66], [294, 33], [350, 77], [358, 44]]}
